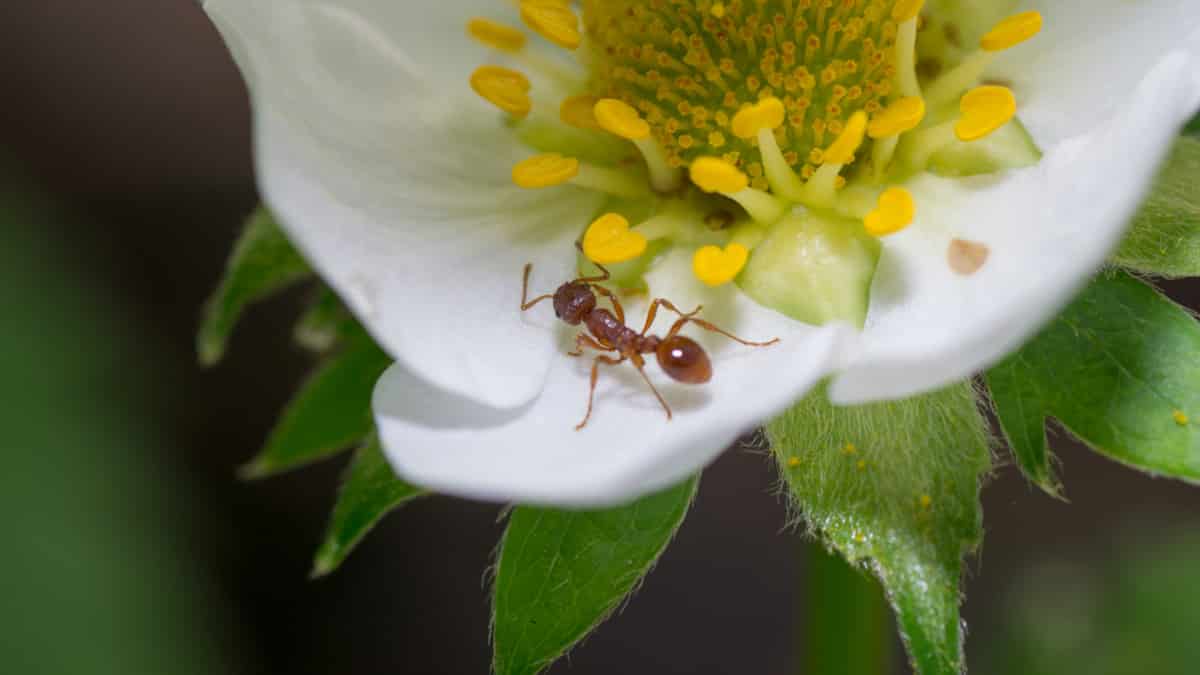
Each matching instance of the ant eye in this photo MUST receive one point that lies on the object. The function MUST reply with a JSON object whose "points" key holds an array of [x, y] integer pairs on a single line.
{"points": [[684, 360]]}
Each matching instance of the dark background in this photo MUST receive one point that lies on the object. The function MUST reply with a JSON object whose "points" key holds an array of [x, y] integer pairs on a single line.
{"points": [[125, 156]]}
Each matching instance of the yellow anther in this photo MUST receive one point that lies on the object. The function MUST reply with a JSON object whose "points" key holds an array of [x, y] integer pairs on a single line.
{"points": [[926, 501], [1181, 418], [984, 110], [609, 240], [716, 175], [1012, 31], [544, 171], [768, 113], [717, 267], [895, 212], [843, 149], [901, 116], [793, 462], [504, 88], [579, 112], [619, 118], [904, 10], [718, 10], [553, 20], [496, 35]]}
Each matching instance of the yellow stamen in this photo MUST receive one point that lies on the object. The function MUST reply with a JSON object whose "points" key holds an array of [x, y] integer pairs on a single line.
{"points": [[984, 110], [843, 149], [554, 21], [901, 116], [1180, 417], [496, 35], [620, 119], [896, 212], [504, 88], [609, 240], [579, 112], [1012, 31], [767, 114], [717, 267], [544, 171], [905, 10], [717, 175]]}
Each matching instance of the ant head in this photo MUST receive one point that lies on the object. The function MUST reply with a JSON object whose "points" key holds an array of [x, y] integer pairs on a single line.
{"points": [[573, 302], [684, 360]]}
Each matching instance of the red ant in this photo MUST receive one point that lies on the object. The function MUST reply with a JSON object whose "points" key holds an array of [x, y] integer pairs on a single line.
{"points": [[680, 357]]}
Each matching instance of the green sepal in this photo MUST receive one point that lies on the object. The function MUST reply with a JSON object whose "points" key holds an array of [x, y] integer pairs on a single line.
{"points": [[562, 573], [331, 412], [1164, 239], [369, 492], [894, 488], [1118, 369], [263, 263], [324, 323]]}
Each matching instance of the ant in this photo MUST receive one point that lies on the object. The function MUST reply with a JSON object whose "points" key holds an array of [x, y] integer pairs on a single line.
{"points": [[680, 357]]}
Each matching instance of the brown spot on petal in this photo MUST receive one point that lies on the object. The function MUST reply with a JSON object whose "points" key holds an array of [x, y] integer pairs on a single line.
{"points": [[967, 257]]}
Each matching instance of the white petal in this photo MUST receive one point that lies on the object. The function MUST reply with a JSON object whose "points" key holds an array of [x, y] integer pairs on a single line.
{"points": [[1049, 228], [534, 455], [401, 197]]}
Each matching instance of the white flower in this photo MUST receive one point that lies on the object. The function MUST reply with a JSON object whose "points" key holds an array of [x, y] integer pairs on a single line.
{"points": [[395, 180]]}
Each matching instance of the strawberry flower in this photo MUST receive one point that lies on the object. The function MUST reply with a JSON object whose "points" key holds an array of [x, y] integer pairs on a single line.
{"points": [[901, 192]]}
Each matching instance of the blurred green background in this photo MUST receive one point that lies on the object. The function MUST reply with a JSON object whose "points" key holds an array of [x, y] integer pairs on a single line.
{"points": [[124, 174]]}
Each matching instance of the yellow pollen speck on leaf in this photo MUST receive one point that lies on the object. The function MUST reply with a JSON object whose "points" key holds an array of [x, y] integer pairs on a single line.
{"points": [[544, 171], [926, 501], [896, 212], [984, 110], [907, 9], [1181, 418], [579, 112], [793, 462], [1012, 31], [609, 240], [716, 175], [553, 20], [504, 88], [843, 149], [902, 115], [861, 465], [717, 267], [768, 113], [620, 119], [496, 35], [849, 449]]}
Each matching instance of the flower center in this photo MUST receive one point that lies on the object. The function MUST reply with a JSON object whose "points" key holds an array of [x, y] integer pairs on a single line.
{"points": [[770, 104]]}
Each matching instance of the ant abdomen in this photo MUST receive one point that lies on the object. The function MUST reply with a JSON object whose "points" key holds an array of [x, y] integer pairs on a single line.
{"points": [[684, 360]]}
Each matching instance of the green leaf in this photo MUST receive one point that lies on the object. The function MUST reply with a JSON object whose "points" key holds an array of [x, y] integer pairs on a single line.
{"points": [[263, 262], [1164, 239], [1193, 127], [331, 412], [1119, 369], [561, 573], [369, 492], [894, 488]]}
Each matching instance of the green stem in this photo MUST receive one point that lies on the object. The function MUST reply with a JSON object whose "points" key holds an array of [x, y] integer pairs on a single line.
{"points": [[847, 629]]}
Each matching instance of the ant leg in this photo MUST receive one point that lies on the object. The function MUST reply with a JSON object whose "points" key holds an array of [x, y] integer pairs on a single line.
{"points": [[584, 340], [604, 274], [652, 313], [527, 305], [642, 370], [592, 391], [612, 297], [685, 319]]}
